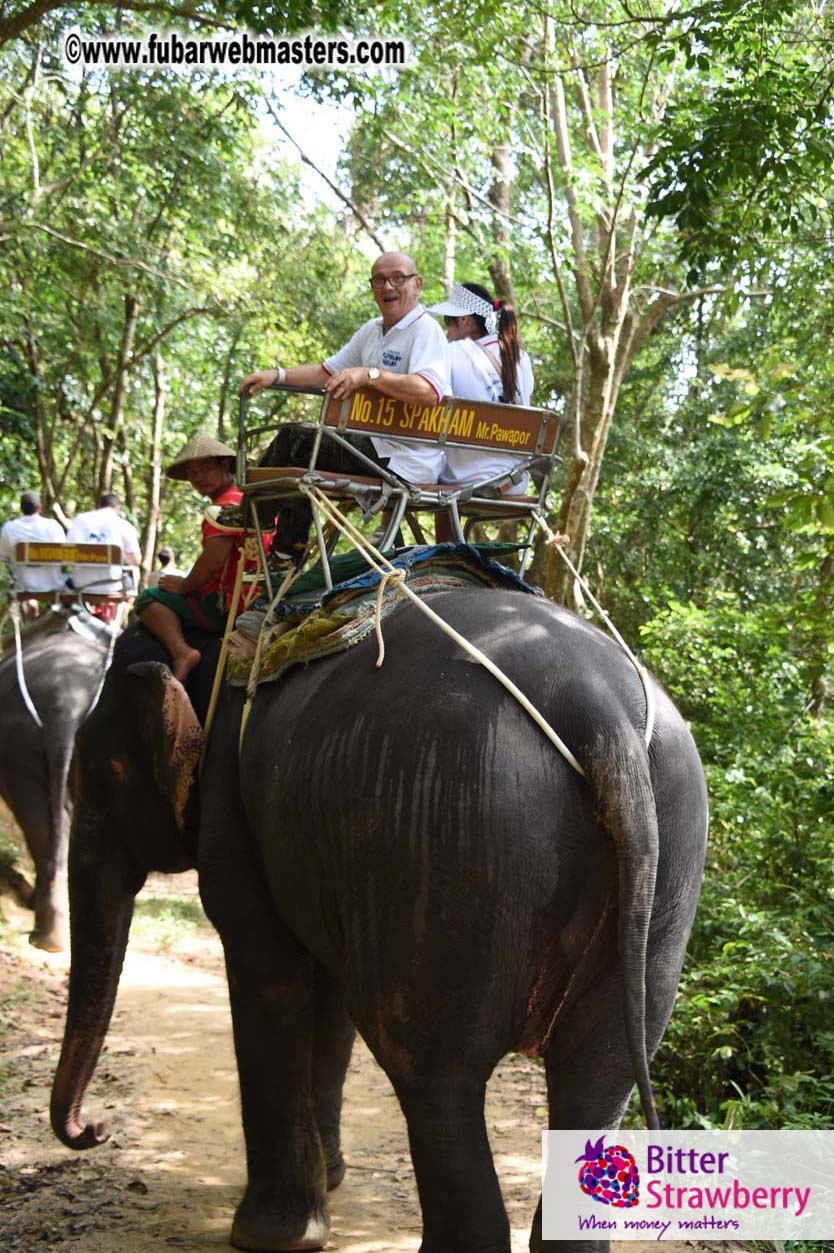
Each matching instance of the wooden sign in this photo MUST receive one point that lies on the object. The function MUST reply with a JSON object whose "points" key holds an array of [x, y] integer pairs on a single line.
{"points": [[37, 552], [471, 423]]}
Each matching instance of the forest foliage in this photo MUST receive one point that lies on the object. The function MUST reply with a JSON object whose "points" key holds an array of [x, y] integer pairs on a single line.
{"points": [[654, 193]]}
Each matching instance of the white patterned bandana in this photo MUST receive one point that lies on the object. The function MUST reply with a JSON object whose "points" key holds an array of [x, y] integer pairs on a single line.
{"points": [[462, 301]]}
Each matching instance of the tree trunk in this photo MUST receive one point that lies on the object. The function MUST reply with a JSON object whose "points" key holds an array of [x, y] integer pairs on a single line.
{"points": [[119, 390], [575, 507], [499, 198], [154, 480], [449, 239], [43, 443], [127, 473], [224, 386]]}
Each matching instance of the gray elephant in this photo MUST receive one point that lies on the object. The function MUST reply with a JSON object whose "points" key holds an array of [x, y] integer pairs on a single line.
{"points": [[407, 848], [63, 669]]}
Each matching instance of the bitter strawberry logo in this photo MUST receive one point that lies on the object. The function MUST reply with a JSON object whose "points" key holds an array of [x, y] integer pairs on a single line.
{"points": [[609, 1175]]}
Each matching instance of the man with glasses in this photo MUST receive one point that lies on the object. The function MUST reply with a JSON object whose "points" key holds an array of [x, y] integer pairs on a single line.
{"points": [[403, 354]]}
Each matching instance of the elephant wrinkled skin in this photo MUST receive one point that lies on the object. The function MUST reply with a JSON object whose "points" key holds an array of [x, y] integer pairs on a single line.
{"points": [[404, 849]]}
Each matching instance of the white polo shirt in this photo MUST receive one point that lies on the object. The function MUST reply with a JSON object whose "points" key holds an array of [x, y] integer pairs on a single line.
{"points": [[414, 345], [27, 528], [103, 526], [476, 375]]}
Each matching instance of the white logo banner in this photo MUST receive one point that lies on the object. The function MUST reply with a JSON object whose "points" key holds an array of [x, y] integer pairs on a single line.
{"points": [[679, 1185]]}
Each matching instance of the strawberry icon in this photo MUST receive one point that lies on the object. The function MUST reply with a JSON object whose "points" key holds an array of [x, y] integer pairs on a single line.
{"points": [[609, 1175]]}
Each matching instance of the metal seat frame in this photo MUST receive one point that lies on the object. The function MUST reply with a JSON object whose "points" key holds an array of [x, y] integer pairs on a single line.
{"points": [[380, 489]]}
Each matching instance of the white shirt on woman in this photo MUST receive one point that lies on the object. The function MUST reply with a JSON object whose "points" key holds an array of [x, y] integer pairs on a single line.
{"points": [[476, 375]]}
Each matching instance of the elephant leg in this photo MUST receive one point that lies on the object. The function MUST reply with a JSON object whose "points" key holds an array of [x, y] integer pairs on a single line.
{"points": [[46, 839], [271, 995], [334, 1034], [463, 1211], [588, 1069], [589, 1081]]}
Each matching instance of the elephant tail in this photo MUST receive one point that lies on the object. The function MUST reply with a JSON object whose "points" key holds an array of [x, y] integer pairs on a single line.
{"points": [[625, 804]]}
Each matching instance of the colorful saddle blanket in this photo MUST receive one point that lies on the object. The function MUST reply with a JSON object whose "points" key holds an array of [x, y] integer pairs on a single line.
{"points": [[313, 625]]}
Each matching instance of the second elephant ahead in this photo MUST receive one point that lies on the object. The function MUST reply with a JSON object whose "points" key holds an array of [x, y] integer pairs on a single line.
{"points": [[408, 843], [62, 670]]}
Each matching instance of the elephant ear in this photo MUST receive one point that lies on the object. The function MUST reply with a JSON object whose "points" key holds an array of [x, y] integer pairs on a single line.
{"points": [[176, 734]]}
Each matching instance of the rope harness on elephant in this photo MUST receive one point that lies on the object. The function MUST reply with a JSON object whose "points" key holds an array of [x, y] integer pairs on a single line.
{"points": [[18, 661], [375, 559], [557, 542], [114, 629], [388, 573], [323, 506]]}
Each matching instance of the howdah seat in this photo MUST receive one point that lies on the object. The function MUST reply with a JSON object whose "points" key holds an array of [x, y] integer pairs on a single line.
{"points": [[96, 591], [532, 434]]}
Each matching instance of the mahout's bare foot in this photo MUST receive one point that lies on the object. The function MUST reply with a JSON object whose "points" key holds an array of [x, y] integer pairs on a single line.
{"points": [[184, 663]]}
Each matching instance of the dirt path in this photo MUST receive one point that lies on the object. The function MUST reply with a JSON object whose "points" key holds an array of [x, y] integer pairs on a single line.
{"points": [[172, 1171]]}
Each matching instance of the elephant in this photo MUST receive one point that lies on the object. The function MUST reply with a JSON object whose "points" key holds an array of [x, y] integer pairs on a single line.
{"points": [[403, 850], [63, 670]]}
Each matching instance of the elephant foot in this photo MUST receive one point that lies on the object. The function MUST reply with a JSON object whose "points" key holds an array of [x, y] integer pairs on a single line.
{"points": [[51, 941], [259, 1228], [51, 929], [336, 1171]]}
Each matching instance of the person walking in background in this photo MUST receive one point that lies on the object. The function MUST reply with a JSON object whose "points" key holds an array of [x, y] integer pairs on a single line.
{"points": [[167, 565]]}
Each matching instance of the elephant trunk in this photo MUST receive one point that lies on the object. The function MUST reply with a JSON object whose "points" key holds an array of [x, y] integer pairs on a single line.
{"points": [[102, 888]]}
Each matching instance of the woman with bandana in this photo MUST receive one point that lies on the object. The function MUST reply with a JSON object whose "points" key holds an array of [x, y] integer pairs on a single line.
{"points": [[488, 363]]}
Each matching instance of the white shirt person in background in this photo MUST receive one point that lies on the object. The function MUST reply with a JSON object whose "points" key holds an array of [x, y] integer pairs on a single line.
{"points": [[105, 526], [31, 526]]}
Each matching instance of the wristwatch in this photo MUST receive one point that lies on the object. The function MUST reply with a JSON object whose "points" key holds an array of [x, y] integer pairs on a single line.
{"points": [[373, 374]]}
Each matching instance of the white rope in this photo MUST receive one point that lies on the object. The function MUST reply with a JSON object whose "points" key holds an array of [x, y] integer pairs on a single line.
{"points": [[115, 631], [389, 576], [221, 656], [557, 542], [348, 529], [21, 678]]}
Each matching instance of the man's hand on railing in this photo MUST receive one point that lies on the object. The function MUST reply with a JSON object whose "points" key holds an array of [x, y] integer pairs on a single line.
{"points": [[346, 382], [258, 381]]}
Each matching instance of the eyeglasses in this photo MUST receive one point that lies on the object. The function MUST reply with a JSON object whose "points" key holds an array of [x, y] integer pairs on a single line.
{"points": [[396, 280], [450, 321]]}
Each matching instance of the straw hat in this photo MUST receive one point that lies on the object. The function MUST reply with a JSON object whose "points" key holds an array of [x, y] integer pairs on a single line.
{"points": [[198, 446]]}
